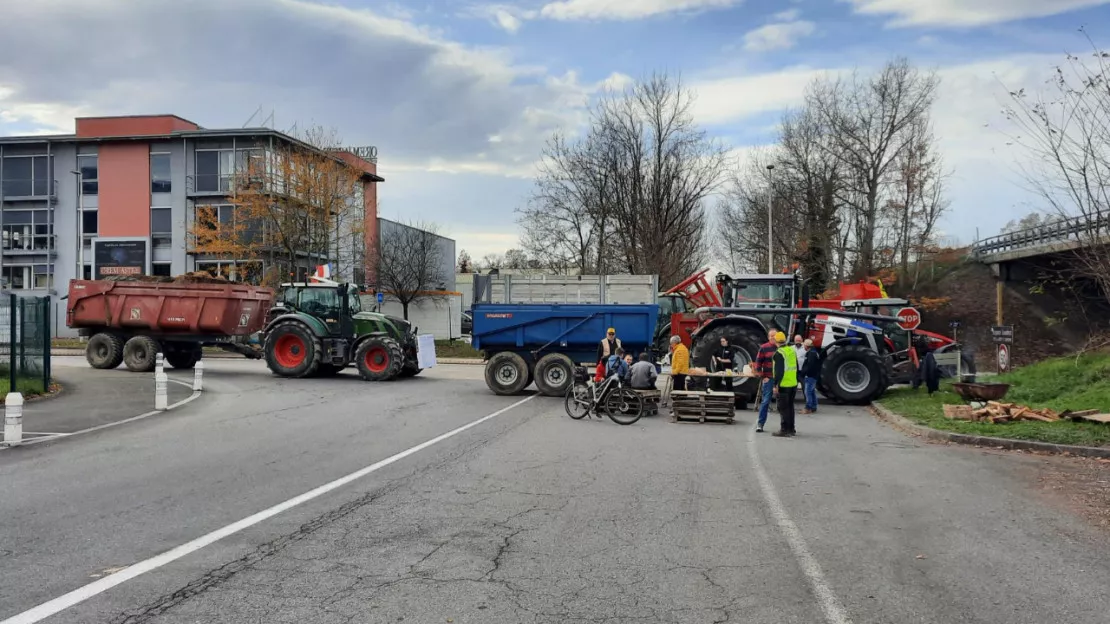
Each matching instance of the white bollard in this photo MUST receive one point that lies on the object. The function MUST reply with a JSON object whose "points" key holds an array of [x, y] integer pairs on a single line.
{"points": [[198, 374], [159, 364], [161, 400], [13, 419]]}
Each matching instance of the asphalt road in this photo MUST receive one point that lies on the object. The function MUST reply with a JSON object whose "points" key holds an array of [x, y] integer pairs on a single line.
{"points": [[526, 516]]}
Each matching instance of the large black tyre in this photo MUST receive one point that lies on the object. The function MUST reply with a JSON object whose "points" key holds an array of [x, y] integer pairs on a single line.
{"points": [[292, 350], [747, 337], [379, 358], [183, 356], [104, 351], [140, 353], [854, 375], [554, 374], [410, 369], [507, 373]]}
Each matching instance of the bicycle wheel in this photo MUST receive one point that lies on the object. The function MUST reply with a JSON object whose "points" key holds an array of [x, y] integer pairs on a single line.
{"points": [[624, 406], [577, 402]]}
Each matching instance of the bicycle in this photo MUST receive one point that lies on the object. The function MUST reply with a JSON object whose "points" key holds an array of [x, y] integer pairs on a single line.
{"points": [[624, 406]]}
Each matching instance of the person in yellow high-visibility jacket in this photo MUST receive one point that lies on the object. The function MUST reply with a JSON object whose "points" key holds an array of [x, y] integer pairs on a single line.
{"points": [[785, 365]]}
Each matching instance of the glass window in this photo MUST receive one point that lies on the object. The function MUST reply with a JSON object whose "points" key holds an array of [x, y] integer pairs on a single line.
{"points": [[161, 241], [161, 269], [160, 173], [353, 301], [161, 221], [89, 223], [18, 174], [87, 165], [208, 171], [43, 278], [320, 302], [16, 277], [42, 182]]}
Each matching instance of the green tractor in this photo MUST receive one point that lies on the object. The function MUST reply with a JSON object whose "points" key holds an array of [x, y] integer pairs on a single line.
{"points": [[318, 329]]}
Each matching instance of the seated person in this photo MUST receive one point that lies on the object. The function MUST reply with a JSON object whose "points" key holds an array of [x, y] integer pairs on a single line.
{"points": [[643, 375]]}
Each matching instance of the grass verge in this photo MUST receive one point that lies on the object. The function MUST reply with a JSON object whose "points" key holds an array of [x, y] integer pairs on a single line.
{"points": [[29, 387], [1059, 383], [456, 349]]}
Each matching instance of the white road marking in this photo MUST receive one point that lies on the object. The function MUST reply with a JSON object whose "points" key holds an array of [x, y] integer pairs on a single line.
{"points": [[834, 612], [81, 594]]}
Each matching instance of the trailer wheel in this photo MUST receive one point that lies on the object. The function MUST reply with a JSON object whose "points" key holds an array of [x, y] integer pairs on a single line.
{"points": [[855, 375], [292, 350], [379, 358], [554, 374], [140, 354], [104, 351], [507, 373], [183, 356]]}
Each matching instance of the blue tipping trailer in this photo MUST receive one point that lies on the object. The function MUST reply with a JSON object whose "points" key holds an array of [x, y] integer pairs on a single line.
{"points": [[543, 342]]}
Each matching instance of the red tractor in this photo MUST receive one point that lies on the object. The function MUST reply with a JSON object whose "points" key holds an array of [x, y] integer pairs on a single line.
{"points": [[864, 345]]}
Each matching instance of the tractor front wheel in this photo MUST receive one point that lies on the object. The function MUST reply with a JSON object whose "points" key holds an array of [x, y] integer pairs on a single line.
{"points": [[379, 358], [292, 350]]}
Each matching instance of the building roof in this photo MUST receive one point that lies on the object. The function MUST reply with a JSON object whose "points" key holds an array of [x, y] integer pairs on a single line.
{"points": [[182, 131]]}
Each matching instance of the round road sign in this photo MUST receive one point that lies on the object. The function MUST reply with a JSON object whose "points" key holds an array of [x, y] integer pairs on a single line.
{"points": [[909, 319], [1003, 358]]}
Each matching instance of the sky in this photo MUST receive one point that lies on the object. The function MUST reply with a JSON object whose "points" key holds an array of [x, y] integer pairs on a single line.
{"points": [[460, 95]]}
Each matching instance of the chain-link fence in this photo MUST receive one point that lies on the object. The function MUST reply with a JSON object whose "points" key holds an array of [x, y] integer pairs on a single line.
{"points": [[24, 344]]}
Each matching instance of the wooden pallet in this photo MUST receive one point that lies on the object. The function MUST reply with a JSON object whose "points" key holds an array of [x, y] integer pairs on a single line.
{"points": [[703, 407], [651, 400]]}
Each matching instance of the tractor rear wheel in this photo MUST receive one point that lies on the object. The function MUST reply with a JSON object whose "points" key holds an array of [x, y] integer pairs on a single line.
{"points": [[379, 358], [507, 373], [140, 353], [292, 350], [409, 370], [554, 373], [746, 338], [104, 351], [854, 375]]}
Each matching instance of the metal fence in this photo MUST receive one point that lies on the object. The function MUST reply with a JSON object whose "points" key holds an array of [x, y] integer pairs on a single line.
{"points": [[24, 344]]}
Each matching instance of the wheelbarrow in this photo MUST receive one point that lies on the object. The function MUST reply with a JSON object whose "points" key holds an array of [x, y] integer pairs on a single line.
{"points": [[981, 392]]}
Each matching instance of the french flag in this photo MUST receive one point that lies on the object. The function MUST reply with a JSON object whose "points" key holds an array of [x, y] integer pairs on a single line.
{"points": [[323, 271]]}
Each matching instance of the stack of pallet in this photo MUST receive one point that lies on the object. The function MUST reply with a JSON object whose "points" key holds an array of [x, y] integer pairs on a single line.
{"points": [[997, 412], [702, 407]]}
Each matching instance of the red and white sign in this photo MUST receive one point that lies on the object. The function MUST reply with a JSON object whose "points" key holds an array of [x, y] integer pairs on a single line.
{"points": [[909, 319], [1003, 358]]}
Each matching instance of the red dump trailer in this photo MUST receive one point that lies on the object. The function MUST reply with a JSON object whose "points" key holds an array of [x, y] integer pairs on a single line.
{"points": [[132, 321]]}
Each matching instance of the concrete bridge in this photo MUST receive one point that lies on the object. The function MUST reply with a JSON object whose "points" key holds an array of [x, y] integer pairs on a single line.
{"points": [[1016, 256]]}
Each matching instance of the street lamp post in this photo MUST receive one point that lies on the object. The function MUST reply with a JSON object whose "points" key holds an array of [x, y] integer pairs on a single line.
{"points": [[80, 225], [770, 206]]}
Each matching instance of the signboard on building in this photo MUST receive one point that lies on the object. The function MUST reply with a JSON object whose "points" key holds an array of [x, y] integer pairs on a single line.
{"points": [[1002, 334], [119, 256]]}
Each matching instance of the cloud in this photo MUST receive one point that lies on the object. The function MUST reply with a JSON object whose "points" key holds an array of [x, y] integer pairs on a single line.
{"points": [[788, 15], [379, 80], [726, 100], [778, 36], [962, 13], [568, 10], [506, 17]]}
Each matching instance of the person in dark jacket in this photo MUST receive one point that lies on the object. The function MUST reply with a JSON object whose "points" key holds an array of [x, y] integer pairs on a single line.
{"points": [[811, 370], [765, 371], [723, 359]]}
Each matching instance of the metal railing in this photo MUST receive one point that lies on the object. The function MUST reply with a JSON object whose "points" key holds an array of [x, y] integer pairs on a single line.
{"points": [[1082, 230], [24, 344]]}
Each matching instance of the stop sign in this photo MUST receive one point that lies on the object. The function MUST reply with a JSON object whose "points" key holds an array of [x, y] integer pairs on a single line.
{"points": [[908, 318]]}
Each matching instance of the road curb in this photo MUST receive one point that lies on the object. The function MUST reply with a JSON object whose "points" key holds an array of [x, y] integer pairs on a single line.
{"points": [[905, 424]]}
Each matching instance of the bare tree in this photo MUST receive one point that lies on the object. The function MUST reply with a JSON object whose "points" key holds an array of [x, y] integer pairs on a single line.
{"points": [[630, 196], [868, 118], [411, 262], [917, 197], [464, 264], [1065, 132]]}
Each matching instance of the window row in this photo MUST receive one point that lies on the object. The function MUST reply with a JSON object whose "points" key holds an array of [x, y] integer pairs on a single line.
{"points": [[26, 176], [26, 277], [216, 169], [88, 166]]}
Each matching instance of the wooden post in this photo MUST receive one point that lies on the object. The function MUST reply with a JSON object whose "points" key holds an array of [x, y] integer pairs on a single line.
{"points": [[998, 302]]}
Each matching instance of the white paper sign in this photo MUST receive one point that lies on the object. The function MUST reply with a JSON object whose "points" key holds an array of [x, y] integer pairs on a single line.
{"points": [[426, 350]]}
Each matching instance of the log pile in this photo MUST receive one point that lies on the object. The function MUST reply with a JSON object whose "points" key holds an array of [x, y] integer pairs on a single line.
{"points": [[996, 412]]}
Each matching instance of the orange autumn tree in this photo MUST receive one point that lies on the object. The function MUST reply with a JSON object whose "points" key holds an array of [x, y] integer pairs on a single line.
{"points": [[292, 205]]}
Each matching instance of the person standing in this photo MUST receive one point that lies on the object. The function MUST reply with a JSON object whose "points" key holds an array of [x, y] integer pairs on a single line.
{"points": [[811, 370], [680, 363], [764, 370], [785, 363], [724, 358], [799, 348], [609, 345]]}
